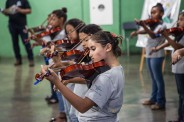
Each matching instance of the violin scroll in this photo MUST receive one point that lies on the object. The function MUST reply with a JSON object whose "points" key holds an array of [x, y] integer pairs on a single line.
{"points": [[40, 77]]}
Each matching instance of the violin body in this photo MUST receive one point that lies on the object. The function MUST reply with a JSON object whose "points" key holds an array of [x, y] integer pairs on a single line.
{"points": [[151, 21], [175, 30], [63, 43], [36, 29], [45, 33], [42, 34], [172, 31], [79, 70], [72, 54]]}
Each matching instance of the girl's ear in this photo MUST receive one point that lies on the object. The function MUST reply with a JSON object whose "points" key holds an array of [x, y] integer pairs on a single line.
{"points": [[108, 47]]}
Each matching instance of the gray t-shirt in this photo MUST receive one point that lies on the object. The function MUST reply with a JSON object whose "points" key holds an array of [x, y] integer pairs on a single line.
{"points": [[178, 68], [155, 42], [107, 92]]}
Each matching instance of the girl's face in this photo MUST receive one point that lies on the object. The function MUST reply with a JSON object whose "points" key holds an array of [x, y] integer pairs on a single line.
{"points": [[84, 38], [55, 21], [71, 33], [97, 52], [156, 13], [49, 18], [181, 21]]}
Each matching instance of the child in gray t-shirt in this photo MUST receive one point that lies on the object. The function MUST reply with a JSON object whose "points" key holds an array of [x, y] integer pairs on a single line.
{"points": [[154, 60], [177, 68], [104, 99], [107, 92]]}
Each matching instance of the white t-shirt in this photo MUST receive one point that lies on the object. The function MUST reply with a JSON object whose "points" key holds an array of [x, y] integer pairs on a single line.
{"points": [[60, 36], [107, 92], [178, 68]]}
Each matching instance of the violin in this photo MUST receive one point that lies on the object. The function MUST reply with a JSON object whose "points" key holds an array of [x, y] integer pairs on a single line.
{"points": [[35, 29], [40, 77], [42, 34], [63, 43], [175, 30], [75, 70], [45, 33], [68, 55], [49, 55], [172, 31], [150, 22], [72, 54], [79, 70]]}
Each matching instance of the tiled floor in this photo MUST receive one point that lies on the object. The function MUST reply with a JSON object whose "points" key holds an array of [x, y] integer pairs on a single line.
{"points": [[21, 101]]}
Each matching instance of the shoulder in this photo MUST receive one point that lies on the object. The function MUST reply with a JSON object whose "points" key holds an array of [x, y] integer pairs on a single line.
{"points": [[114, 71], [161, 26], [182, 40], [114, 74]]}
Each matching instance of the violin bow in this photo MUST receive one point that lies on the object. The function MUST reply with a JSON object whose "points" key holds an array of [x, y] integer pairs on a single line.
{"points": [[79, 42], [77, 27], [85, 54]]}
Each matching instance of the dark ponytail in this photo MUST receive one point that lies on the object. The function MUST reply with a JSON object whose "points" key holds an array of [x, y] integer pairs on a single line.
{"points": [[105, 37], [160, 7]]}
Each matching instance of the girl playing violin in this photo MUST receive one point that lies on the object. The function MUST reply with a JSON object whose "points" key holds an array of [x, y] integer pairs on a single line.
{"points": [[84, 35], [154, 61], [178, 68], [104, 99], [54, 29], [72, 28], [57, 19]]}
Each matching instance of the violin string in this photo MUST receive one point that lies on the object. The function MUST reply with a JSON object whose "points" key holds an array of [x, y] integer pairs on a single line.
{"points": [[79, 42], [85, 54], [76, 28], [76, 45]]}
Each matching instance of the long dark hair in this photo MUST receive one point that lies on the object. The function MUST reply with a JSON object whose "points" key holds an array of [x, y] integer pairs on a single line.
{"points": [[75, 23], [105, 37]]}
